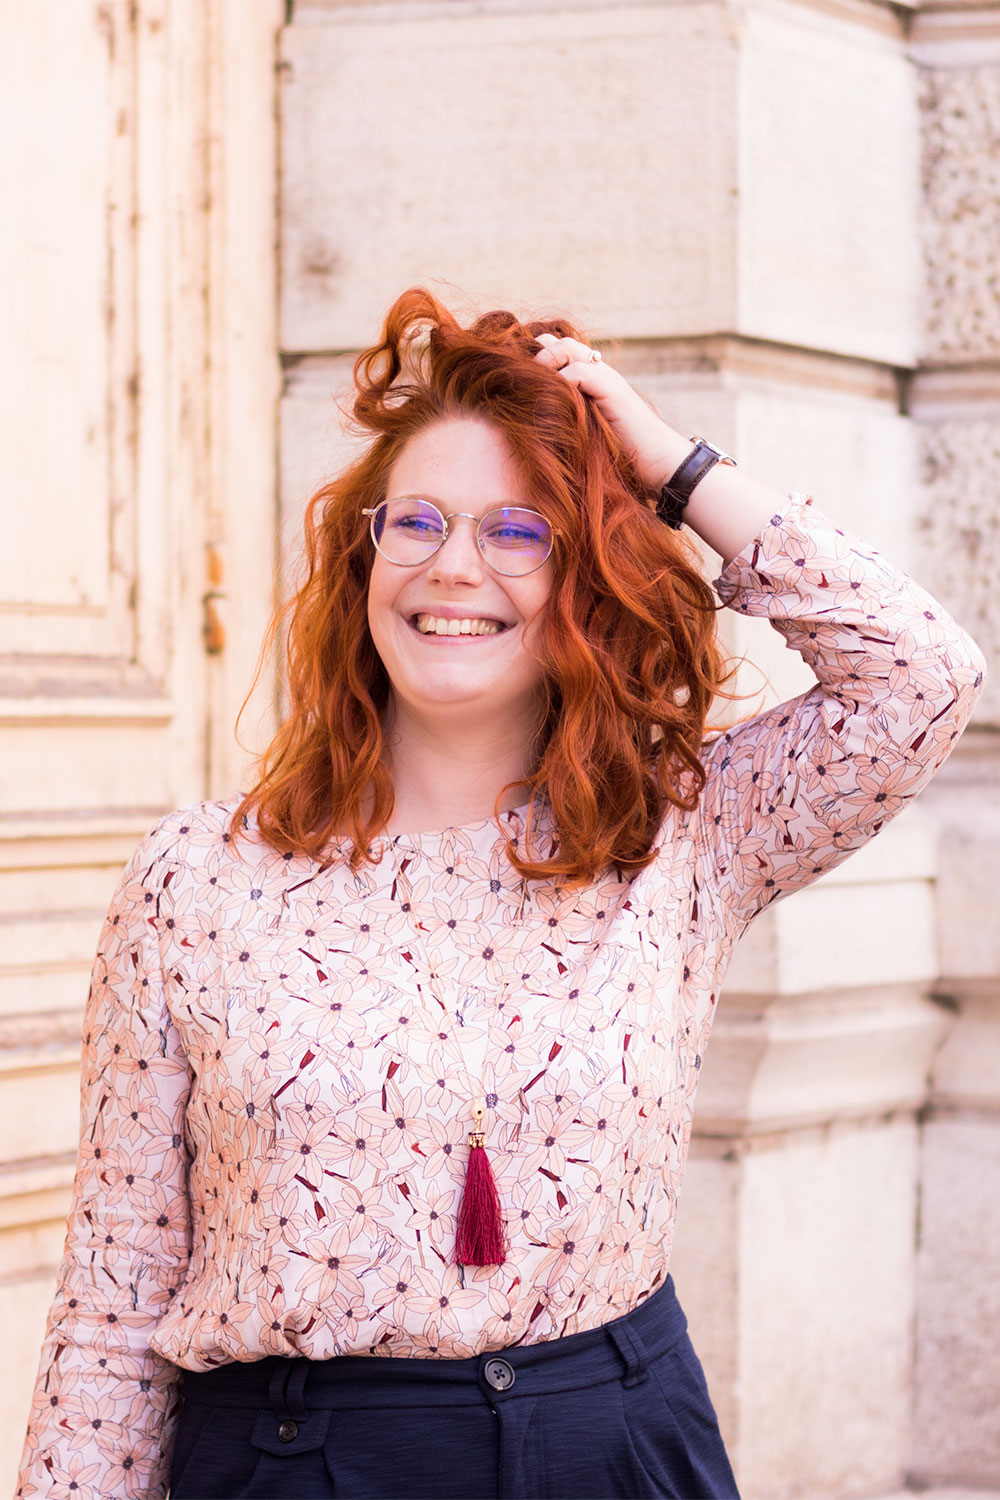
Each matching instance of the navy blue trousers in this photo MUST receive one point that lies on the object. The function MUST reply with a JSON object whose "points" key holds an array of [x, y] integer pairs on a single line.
{"points": [[617, 1411]]}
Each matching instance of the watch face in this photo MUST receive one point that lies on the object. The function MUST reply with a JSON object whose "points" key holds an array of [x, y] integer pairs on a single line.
{"points": [[723, 458]]}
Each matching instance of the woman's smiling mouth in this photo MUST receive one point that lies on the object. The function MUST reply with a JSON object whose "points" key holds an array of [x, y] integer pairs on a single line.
{"points": [[468, 625]]}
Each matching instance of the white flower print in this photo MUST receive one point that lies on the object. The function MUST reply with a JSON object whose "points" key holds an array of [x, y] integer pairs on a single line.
{"points": [[432, 1214], [555, 1135], [330, 1268]]}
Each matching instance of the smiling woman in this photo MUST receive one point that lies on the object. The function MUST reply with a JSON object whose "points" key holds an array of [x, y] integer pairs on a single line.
{"points": [[592, 695], [390, 1064]]}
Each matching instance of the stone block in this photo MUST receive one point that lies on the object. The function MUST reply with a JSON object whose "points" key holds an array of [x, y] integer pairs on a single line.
{"points": [[687, 203], [956, 1433], [462, 146], [963, 806], [967, 1066], [826, 1325], [315, 445], [869, 921], [828, 183], [856, 934], [812, 1059], [794, 1259]]}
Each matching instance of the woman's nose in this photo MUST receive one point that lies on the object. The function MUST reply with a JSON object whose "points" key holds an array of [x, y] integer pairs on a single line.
{"points": [[458, 555]]}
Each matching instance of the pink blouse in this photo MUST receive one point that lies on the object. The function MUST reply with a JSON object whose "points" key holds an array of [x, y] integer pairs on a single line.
{"points": [[276, 1100]]}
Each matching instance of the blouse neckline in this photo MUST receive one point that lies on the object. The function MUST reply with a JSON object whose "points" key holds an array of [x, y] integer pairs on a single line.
{"points": [[430, 841]]}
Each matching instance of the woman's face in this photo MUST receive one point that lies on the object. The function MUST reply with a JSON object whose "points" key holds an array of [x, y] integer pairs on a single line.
{"points": [[461, 464]]}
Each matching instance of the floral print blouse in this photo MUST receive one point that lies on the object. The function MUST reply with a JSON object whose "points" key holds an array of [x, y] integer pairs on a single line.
{"points": [[276, 1093]]}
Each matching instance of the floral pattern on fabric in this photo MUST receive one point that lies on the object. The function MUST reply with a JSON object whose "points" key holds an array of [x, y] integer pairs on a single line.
{"points": [[276, 1100]]}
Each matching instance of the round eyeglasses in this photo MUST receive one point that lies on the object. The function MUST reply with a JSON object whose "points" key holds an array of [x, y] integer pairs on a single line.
{"points": [[409, 530]]}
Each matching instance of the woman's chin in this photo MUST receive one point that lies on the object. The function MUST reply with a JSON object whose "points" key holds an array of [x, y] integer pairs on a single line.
{"points": [[451, 692]]}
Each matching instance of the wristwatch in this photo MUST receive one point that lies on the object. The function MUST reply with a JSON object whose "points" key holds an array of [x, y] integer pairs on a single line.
{"points": [[677, 491]]}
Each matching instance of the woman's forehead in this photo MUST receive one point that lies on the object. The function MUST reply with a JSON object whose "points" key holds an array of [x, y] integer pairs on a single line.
{"points": [[464, 462]]}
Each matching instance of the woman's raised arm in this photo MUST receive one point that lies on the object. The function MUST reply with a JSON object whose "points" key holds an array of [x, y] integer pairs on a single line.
{"points": [[793, 791]]}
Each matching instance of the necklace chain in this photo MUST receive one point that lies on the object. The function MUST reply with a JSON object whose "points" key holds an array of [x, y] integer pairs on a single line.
{"points": [[477, 1110]]}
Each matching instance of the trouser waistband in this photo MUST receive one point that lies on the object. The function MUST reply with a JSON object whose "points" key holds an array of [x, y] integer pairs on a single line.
{"points": [[617, 1350]]}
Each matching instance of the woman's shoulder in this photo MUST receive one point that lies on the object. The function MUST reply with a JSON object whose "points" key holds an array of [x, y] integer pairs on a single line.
{"points": [[193, 834]]}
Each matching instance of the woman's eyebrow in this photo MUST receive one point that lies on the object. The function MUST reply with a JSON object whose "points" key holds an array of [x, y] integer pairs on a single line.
{"points": [[441, 504]]}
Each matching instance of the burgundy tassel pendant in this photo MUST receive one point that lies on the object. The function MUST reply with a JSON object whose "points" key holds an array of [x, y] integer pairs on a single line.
{"points": [[481, 1240]]}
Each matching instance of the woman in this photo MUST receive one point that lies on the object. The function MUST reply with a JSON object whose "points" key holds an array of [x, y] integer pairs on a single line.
{"points": [[389, 1065]]}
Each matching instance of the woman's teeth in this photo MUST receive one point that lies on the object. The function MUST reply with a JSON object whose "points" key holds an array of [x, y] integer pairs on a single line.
{"points": [[435, 625]]}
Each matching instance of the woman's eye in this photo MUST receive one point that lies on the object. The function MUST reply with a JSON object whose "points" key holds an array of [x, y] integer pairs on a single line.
{"points": [[418, 525], [512, 535]]}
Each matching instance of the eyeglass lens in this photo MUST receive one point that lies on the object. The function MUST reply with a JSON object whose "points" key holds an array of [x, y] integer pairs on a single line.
{"points": [[410, 530]]}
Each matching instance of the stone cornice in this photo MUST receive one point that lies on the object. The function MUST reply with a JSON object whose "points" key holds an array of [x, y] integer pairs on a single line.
{"points": [[952, 390], [812, 1060]]}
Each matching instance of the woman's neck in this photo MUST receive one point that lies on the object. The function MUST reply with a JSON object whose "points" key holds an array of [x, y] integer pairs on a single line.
{"points": [[447, 777]]}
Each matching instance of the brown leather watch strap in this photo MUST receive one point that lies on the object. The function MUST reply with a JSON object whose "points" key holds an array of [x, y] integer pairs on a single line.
{"points": [[677, 491]]}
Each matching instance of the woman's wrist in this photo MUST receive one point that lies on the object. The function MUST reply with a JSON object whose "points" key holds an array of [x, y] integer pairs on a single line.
{"points": [[728, 508], [664, 457]]}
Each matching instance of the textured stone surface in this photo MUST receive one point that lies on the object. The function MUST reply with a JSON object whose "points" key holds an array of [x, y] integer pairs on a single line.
{"points": [[958, 530], [960, 110]]}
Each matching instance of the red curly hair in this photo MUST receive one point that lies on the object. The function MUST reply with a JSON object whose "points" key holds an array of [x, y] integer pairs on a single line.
{"points": [[627, 636]]}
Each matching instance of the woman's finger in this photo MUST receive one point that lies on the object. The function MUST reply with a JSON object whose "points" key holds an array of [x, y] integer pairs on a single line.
{"points": [[560, 352]]}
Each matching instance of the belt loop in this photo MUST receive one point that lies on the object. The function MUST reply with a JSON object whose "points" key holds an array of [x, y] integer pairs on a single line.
{"points": [[631, 1349], [286, 1388], [295, 1388]]}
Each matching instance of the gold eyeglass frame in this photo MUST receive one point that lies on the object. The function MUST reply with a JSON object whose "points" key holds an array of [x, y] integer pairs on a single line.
{"points": [[457, 515]]}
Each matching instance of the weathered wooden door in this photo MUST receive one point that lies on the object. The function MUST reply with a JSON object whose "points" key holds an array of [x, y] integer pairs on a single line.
{"points": [[137, 482]]}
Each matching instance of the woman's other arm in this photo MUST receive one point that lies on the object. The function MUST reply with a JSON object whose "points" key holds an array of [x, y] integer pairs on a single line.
{"points": [[101, 1417]]}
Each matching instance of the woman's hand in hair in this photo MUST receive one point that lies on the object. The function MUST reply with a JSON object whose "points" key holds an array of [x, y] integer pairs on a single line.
{"points": [[727, 509], [655, 446]]}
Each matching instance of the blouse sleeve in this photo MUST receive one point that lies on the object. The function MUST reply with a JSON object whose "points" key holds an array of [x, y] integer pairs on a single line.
{"points": [[101, 1419], [793, 791]]}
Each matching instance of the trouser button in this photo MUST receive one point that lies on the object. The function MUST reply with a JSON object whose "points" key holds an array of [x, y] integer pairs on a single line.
{"points": [[499, 1374], [288, 1432]]}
